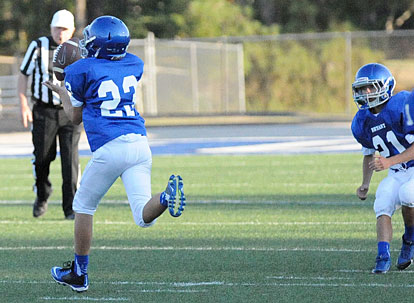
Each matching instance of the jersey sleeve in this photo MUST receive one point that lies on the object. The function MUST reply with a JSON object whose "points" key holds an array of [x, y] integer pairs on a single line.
{"points": [[408, 115], [359, 134], [367, 151], [75, 83], [28, 63]]}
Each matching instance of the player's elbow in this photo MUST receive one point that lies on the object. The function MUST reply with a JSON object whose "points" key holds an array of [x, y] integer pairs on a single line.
{"points": [[77, 120], [76, 115]]}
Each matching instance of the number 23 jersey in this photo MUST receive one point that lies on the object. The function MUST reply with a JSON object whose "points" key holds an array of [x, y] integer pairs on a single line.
{"points": [[391, 131], [107, 91]]}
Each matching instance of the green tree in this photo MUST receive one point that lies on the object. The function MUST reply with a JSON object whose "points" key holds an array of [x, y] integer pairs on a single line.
{"points": [[215, 18], [163, 18], [321, 15], [22, 21]]}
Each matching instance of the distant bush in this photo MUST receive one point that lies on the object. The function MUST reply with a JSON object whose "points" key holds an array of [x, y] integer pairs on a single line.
{"points": [[303, 75]]}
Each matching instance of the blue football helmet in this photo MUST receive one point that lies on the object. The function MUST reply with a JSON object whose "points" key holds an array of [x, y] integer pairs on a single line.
{"points": [[106, 37], [374, 85]]}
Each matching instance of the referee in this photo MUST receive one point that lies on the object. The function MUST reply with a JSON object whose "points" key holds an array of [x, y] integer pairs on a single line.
{"points": [[49, 121]]}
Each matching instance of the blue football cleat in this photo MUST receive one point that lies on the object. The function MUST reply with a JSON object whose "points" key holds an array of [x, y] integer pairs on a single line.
{"points": [[175, 189], [66, 276], [383, 264], [406, 255]]}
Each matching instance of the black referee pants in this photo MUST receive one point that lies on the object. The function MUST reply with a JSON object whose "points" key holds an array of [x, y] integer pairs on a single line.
{"points": [[48, 124]]}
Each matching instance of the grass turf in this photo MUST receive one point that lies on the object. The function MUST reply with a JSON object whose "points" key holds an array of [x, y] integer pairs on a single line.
{"points": [[256, 229]]}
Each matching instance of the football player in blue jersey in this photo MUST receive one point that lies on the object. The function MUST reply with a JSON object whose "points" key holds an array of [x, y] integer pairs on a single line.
{"points": [[383, 123], [100, 90]]}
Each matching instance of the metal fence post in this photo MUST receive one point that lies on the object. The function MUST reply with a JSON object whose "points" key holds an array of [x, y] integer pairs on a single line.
{"points": [[194, 78], [151, 76], [240, 66], [348, 71]]}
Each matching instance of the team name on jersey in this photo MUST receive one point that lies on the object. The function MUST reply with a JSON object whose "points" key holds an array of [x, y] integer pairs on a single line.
{"points": [[377, 128]]}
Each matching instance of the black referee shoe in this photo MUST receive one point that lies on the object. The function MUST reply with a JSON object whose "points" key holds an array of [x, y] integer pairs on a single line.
{"points": [[39, 208], [70, 216]]}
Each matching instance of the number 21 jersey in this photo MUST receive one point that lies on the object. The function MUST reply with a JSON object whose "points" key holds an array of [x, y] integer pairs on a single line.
{"points": [[390, 132]]}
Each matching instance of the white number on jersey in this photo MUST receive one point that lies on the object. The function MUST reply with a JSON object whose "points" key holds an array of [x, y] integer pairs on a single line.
{"points": [[109, 86], [410, 121], [391, 138]]}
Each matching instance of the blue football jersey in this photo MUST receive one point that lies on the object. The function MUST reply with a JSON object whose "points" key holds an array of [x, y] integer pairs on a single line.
{"points": [[107, 91], [390, 132]]}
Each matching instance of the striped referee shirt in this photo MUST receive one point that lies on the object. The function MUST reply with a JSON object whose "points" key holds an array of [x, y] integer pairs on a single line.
{"points": [[38, 63]]}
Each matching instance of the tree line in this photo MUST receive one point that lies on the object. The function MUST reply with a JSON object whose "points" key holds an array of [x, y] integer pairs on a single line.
{"points": [[23, 20]]}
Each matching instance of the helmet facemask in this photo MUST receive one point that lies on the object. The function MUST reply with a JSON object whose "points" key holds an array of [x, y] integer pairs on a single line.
{"points": [[87, 49], [369, 93]]}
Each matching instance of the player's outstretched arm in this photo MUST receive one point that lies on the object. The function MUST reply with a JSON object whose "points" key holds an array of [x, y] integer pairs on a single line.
{"points": [[380, 163], [74, 113], [362, 191]]}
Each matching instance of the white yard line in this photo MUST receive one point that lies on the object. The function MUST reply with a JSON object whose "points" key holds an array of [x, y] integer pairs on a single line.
{"points": [[44, 222], [307, 278], [274, 223], [221, 201], [190, 248], [76, 298], [184, 285], [356, 285], [410, 272], [168, 290]]}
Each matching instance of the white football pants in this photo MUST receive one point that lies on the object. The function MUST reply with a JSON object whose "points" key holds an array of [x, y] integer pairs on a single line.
{"points": [[128, 157], [395, 190]]}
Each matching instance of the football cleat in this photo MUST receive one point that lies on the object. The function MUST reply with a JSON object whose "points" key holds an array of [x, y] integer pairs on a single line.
{"points": [[383, 264], [39, 208], [66, 276], [175, 189], [406, 255]]}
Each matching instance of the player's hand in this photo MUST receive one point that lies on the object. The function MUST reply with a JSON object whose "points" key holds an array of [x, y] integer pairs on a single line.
{"points": [[379, 163], [54, 87], [362, 191], [26, 115]]}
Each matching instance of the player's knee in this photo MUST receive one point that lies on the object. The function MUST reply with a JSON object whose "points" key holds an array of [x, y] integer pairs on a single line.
{"points": [[79, 207], [383, 212], [382, 209], [83, 210], [406, 195], [139, 218]]}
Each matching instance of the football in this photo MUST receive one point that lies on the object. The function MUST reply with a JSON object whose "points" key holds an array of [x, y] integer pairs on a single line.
{"points": [[65, 54]]}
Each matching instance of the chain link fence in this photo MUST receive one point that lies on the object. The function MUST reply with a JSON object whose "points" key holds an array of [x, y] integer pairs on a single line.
{"points": [[291, 73], [188, 77], [313, 72]]}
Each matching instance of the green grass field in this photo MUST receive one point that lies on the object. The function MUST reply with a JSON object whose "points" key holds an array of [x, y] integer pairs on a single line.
{"points": [[256, 229]]}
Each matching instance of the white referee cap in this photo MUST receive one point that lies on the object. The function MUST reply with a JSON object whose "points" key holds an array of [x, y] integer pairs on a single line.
{"points": [[63, 18]]}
